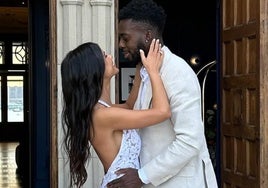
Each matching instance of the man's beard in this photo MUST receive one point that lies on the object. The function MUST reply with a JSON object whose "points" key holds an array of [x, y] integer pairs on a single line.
{"points": [[136, 58]]}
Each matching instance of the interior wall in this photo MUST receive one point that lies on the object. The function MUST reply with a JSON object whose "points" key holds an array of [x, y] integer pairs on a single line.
{"points": [[190, 29]]}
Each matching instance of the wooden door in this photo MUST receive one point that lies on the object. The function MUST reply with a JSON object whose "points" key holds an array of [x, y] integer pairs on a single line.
{"points": [[244, 94], [53, 94]]}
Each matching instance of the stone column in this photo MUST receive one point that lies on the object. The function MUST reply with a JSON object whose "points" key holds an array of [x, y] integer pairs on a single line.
{"points": [[71, 21], [102, 27], [80, 21]]}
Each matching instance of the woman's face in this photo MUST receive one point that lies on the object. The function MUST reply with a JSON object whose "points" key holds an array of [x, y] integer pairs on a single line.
{"points": [[110, 67]]}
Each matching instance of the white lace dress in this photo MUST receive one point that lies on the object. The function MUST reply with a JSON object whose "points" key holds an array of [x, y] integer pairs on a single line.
{"points": [[128, 155]]}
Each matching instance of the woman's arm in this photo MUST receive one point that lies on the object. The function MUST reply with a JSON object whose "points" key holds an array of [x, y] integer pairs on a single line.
{"points": [[119, 118], [152, 64]]}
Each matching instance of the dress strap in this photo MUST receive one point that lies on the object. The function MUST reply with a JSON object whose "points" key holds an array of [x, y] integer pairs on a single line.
{"points": [[103, 103]]}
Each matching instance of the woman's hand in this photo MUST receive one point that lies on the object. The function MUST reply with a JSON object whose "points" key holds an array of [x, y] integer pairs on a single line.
{"points": [[154, 59]]}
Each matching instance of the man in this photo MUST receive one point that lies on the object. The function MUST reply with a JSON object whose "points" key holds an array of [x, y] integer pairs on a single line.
{"points": [[174, 153]]}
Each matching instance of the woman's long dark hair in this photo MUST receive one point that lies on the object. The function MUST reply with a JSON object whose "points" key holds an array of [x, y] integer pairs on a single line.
{"points": [[82, 73]]}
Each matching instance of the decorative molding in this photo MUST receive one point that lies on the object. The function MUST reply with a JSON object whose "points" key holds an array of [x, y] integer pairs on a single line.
{"points": [[101, 3], [72, 2]]}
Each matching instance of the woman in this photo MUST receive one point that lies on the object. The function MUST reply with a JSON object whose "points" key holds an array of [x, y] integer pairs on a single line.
{"points": [[89, 118]]}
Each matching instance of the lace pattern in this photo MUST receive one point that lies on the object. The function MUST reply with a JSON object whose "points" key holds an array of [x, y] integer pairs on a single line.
{"points": [[128, 155]]}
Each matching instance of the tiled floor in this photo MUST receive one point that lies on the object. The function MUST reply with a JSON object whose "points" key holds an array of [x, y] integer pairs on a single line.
{"points": [[8, 176]]}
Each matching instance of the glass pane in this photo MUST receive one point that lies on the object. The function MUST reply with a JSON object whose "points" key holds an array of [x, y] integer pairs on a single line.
{"points": [[1, 52], [15, 99], [19, 53], [1, 99]]}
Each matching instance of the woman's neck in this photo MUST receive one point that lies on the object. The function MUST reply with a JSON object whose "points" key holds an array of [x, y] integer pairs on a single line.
{"points": [[105, 95]]}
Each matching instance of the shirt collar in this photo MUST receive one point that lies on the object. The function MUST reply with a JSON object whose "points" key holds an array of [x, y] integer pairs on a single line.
{"points": [[144, 74]]}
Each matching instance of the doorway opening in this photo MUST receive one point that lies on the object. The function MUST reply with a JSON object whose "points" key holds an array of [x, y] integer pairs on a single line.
{"points": [[191, 32], [14, 108], [25, 91]]}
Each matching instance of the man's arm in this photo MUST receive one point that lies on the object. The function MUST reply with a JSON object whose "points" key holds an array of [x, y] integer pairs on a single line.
{"points": [[130, 179]]}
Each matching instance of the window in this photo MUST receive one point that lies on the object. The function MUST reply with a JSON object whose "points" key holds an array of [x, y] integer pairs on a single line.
{"points": [[19, 53], [1, 52], [13, 81], [15, 98]]}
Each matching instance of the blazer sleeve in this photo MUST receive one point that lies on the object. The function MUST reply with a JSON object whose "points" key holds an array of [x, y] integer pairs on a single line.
{"points": [[183, 90]]}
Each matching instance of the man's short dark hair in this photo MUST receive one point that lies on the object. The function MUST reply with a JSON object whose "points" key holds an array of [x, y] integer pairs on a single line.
{"points": [[146, 11]]}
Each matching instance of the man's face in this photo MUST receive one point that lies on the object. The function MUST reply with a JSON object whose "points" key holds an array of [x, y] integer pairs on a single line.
{"points": [[132, 38]]}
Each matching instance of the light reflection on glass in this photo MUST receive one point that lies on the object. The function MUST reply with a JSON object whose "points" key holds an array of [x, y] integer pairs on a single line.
{"points": [[15, 99]]}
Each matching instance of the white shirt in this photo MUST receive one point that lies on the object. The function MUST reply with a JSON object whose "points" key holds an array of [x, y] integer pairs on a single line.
{"points": [[145, 80]]}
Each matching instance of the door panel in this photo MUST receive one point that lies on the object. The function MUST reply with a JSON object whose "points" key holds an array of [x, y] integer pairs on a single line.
{"points": [[241, 149], [240, 128]]}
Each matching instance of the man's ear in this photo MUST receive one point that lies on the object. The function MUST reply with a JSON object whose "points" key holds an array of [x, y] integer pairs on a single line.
{"points": [[148, 37]]}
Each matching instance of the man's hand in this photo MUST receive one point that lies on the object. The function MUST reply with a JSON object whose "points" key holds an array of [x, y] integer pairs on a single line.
{"points": [[130, 179]]}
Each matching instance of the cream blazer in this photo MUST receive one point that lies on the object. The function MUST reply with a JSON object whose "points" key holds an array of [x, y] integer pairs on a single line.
{"points": [[174, 153]]}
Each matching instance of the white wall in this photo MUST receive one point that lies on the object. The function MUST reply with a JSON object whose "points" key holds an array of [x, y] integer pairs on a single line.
{"points": [[80, 21]]}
